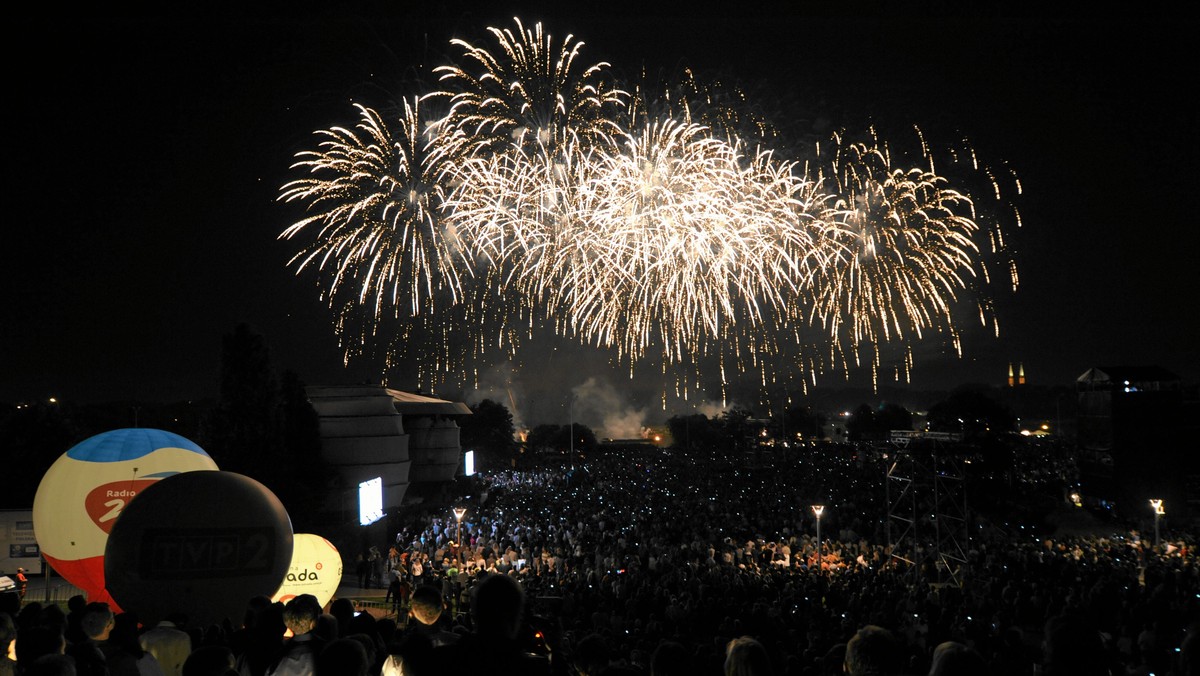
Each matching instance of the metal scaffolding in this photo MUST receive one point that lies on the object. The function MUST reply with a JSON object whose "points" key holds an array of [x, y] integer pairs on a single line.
{"points": [[928, 529]]}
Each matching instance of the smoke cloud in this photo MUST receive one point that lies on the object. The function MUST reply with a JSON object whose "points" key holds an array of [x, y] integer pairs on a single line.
{"points": [[598, 400]]}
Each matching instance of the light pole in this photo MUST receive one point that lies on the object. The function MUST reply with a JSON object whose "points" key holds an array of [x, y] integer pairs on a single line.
{"points": [[1159, 510], [818, 509], [459, 513]]}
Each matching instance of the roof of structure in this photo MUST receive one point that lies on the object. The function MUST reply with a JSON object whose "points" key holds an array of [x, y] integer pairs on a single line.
{"points": [[408, 403], [1133, 374]]}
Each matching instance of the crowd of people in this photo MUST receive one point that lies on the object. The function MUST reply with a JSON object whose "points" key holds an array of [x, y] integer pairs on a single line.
{"points": [[644, 547], [652, 562]]}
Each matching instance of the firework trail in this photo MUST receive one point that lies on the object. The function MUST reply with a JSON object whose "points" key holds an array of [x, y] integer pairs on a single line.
{"points": [[544, 198]]}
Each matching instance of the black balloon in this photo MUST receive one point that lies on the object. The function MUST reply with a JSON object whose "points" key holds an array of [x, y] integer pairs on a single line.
{"points": [[200, 543]]}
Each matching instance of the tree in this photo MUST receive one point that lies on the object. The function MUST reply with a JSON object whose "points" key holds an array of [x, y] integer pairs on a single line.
{"points": [[801, 420], [729, 432], [862, 424], [982, 421], [557, 439], [266, 432], [308, 473], [737, 433], [893, 417], [242, 434], [489, 431], [695, 432], [971, 413], [876, 424]]}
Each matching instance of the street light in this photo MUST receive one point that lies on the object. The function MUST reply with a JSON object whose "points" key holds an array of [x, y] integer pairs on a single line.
{"points": [[818, 509], [1159, 510], [459, 513]]}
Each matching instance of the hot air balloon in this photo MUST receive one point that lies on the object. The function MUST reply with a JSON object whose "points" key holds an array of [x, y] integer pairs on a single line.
{"points": [[200, 543], [87, 488], [316, 569]]}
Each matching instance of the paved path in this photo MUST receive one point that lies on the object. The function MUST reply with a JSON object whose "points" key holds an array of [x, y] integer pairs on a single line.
{"points": [[369, 600]]}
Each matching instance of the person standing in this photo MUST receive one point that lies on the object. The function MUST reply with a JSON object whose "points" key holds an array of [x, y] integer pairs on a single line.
{"points": [[417, 570], [363, 568], [375, 566], [22, 584], [97, 623], [301, 651]]}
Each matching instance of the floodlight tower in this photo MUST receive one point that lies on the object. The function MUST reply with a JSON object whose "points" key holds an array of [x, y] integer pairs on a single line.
{"points": [[1159, 511], [818, 510], [459, 513]]}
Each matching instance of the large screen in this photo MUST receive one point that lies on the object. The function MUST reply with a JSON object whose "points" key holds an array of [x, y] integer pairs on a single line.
{"points": [[370, 501], [469, 463]]}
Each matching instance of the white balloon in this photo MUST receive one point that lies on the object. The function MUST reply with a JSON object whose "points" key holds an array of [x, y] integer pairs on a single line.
{"points": [[316, 569]]}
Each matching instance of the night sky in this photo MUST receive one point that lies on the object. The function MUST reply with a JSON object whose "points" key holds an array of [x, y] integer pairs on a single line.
{"points": [[146, 153]]}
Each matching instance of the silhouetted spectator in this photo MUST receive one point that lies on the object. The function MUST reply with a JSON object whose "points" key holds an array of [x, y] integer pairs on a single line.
{"points": [[591, 656], [873, 651], [97, 622], [497, 605], [8, 634], [745, 656], [343, 611], [123, 652], [413, 656], [258, 643], [75, 607], [343, 657], [300, 652], [36, 641], [208, 661], [1073, 647], [426, 609], [169, 645], [51, 665], [955, 659], [670, 659]]}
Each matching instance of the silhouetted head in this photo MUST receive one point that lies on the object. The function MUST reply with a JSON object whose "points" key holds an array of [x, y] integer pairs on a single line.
{"points": [[427, 604], [496, 606], [746, 657], [873, 651]]}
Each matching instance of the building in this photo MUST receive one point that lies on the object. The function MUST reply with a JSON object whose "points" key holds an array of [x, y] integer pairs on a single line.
{"points": [[408, 440], [1131, 439], [433, 442], [1019, 379]]}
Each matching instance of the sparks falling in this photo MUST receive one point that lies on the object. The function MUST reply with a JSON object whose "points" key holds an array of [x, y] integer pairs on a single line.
{"points": [[530, 193]]}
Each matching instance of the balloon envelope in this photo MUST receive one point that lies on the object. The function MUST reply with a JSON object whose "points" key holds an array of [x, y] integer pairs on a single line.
{"points": [[316, 569], [88, 487], [200, 543]]}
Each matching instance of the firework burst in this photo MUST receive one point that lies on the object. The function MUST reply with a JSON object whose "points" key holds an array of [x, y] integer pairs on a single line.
{"points": [[527, 93], [373, 196], [545, 198]]}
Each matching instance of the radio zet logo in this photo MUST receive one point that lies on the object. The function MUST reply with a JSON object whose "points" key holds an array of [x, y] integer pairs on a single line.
{"points": [[105, 502]]}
